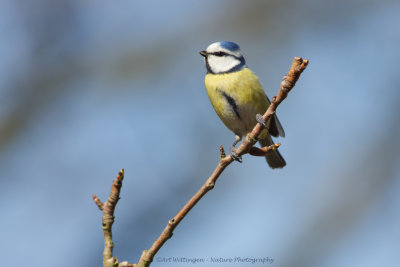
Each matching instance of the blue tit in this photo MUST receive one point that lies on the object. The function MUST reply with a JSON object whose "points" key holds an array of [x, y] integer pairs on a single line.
{"points": [[237, 96]]}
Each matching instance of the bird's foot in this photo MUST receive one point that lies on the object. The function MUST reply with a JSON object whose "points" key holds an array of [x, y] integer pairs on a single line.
{"points": [[234, 155], [260, 120]]}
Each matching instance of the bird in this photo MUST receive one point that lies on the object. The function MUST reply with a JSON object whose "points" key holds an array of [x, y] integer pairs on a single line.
{"points": [[238, 98]]}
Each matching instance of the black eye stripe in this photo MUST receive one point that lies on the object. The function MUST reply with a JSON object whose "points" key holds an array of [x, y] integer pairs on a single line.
{"points": [[219, 54], [224, 54]]}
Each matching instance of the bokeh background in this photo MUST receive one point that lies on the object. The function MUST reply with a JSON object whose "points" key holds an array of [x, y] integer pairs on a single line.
{"points": [[89, 87]]}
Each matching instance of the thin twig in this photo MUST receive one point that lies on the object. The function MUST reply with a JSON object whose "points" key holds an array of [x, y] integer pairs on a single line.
{"points": [[98, 202], [255, 151], [287, 84], [107, 221]]}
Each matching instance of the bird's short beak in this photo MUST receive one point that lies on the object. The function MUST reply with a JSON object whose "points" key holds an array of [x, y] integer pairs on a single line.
{"points": [[203, 53]]}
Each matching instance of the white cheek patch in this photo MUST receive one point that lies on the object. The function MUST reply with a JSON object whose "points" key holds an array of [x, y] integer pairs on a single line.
{"points": [[222, 64]]}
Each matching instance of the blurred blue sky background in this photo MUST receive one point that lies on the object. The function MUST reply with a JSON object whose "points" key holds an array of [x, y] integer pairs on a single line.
{"points": [[89, 87]]}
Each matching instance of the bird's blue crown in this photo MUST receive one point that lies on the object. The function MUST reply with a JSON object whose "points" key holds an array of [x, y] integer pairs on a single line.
{"points": [[231, 46]]}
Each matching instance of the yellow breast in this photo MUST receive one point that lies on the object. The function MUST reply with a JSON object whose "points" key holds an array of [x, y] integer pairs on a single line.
{"points": [[237, 97]]}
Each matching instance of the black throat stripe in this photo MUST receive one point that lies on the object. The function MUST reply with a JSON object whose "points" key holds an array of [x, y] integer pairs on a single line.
{"points": [[231, 102]]}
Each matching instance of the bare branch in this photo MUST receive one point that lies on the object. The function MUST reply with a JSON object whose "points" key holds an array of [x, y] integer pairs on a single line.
{"points": [[287, 84], [107, 221], [245, 147]]}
